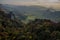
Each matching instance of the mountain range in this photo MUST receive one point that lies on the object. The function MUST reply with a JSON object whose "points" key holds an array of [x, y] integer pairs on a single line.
{"points": [[38, 11]]}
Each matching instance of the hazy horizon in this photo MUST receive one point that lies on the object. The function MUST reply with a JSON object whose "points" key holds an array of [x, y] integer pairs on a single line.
{"points": [[46, 3]]}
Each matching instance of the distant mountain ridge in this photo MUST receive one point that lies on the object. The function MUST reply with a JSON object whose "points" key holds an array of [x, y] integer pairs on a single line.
{"points": [[38, 11]]}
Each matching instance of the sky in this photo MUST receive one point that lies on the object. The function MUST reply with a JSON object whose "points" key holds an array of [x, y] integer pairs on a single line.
{"points": [[46, 3], [26, 1]]}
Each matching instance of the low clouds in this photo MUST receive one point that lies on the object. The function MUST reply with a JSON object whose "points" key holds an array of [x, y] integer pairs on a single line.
{"points": [[45, 3], [31, 2], [46, 0]]}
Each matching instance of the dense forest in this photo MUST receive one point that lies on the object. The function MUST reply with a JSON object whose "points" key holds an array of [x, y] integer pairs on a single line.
{"points": [[39, 29]]}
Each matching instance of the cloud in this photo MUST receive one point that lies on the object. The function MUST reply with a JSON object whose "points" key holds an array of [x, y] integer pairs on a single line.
{"points": [[48, 1]]}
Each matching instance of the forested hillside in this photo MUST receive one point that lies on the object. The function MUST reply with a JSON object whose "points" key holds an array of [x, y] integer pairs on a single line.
{"points": [[38, 29]]}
